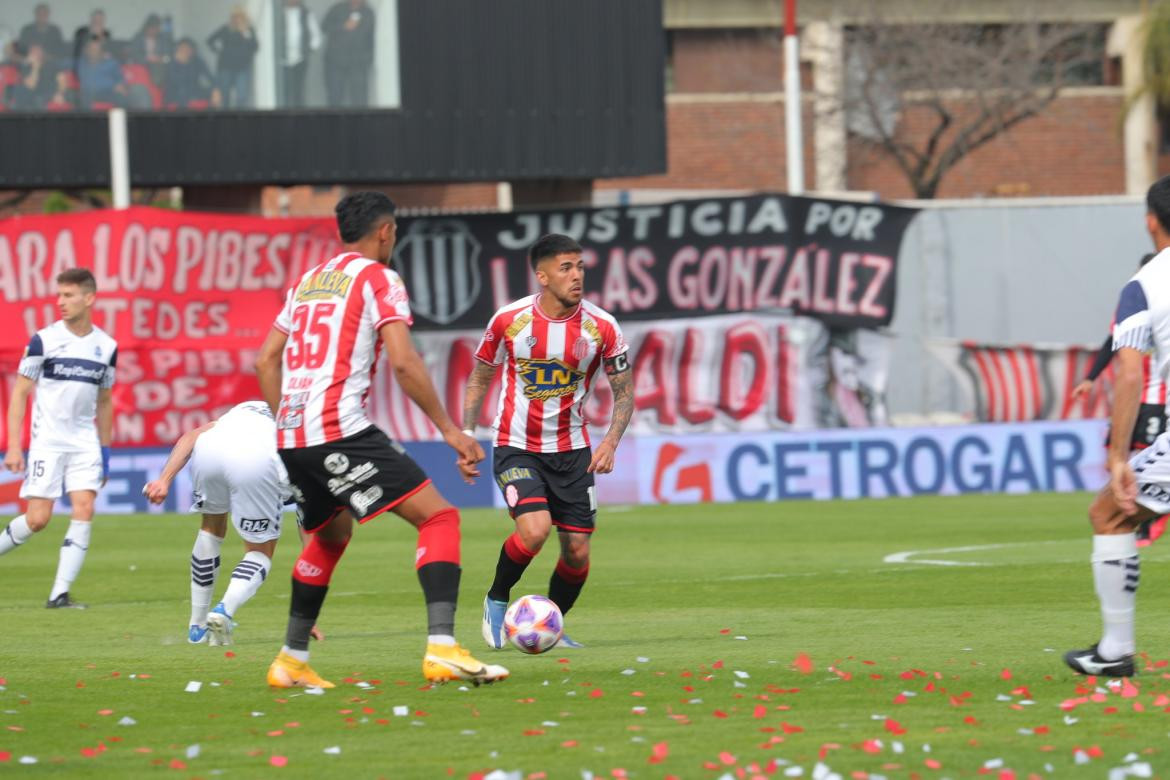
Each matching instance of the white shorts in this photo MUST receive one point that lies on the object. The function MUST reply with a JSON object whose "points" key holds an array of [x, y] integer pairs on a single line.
{"points": [[1151, 466], [47, 472], [248, 483]]}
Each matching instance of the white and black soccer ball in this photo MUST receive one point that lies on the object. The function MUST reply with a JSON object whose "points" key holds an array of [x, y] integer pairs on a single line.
{"points": [[533, 624]]}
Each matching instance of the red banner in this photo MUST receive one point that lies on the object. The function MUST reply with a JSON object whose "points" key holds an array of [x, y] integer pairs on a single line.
{"points": [[189, 298]]}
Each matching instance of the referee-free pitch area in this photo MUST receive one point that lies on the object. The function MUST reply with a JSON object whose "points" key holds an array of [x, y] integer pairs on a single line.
{"points": [[729, 640]]}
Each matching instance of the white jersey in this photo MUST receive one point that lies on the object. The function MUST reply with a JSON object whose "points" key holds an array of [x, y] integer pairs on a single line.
{"points": [[1143, 313], [332, 317], [69, 371]]}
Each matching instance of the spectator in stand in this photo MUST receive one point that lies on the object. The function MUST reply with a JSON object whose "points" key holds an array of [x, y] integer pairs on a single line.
{"points": [[235, 46], [189, 79], [38, 81], [40, 32], [13, 54], [100, 76], [300, 35], [96, 30], [64, 97], [152, 46], [349, 53]]}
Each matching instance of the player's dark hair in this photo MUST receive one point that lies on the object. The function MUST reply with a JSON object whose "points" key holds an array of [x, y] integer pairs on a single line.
{"points": [[1147, 257], [360, 212], [550, 246], [1158, 201], [82, 277]]}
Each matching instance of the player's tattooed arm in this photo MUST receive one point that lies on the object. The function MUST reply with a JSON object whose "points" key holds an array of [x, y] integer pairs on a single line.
{"points": [[622, 385], [477, 388]]}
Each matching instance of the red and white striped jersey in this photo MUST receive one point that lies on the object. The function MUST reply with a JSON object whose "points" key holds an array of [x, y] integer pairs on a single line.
{"points": [[332, 316], [1154, 389], [548, 368]]}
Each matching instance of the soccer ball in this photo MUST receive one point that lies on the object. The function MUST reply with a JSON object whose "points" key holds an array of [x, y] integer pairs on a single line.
{"points": [[533, 624]]}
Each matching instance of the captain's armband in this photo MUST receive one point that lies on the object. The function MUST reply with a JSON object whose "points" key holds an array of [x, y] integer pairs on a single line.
{"points": [[617, 364]]}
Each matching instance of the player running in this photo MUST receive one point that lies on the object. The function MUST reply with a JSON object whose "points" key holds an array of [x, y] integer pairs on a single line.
{"points": [[315, 369], [551, 345], [1139, 487], [71, 364], [234, 468], [1151, 418]]}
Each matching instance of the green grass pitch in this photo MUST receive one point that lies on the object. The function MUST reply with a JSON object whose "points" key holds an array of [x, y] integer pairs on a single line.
{"points": [[747, 640]]}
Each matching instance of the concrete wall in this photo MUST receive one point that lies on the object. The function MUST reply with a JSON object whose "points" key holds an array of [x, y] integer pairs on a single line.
{"points": [[1008, 273]]}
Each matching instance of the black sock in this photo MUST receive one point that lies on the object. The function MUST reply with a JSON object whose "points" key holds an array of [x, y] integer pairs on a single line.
{"points": [[514, 559], [440, 586], [303, 612], [564, 592]]}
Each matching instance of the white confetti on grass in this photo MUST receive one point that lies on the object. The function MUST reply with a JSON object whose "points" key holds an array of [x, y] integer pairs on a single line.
{"points": [[627, 672], [28, 759], [335, 750], [314, 691], [401, 710], [193, 687], [193, 751], [642, 659], [742, 675], [127, 721]]}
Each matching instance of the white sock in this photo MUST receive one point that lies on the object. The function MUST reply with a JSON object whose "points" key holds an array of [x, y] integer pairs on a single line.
{"points": [[16, 534], [204, 568], [72, 555], [1116, 573], [247, 578], [441, 639], [300, 655]]}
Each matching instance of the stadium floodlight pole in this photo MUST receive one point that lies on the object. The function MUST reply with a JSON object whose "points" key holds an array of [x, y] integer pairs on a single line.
{"points": [[794, 132], [119, 158]]}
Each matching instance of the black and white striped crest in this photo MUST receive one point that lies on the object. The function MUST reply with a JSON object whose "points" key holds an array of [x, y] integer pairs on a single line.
{"points": [[438, 258]]}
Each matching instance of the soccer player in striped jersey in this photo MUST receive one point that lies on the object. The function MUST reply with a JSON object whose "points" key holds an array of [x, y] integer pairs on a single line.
{"points": [[1139, 485], [71, 365], [1151, 418], [551, 345], [315, 369]]}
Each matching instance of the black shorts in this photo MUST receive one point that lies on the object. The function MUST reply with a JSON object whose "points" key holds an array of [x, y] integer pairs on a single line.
{"points": [[366, 473], [558, 482], [1151, 421]]}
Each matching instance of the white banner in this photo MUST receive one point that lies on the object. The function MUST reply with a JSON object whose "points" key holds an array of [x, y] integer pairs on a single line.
{"points": [[876, 463], [727, 373]]}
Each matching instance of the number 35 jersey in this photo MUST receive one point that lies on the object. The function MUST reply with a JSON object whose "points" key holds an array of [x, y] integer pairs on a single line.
{"points": [[332, 316]]}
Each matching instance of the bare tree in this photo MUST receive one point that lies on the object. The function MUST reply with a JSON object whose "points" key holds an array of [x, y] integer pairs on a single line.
{"points": [[928, 93]]}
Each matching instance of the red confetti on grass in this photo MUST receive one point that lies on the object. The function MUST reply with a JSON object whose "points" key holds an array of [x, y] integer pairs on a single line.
{"points": [[719, 714], [759, 711], [105, 712], [725, 631], [278, 761], [5, 756], [569, 743], [596, 693], [932, 763], [803, 663], [533, 732], [659, 753], [1128, 689], [894, 727], [1005, 674], [229, 654], [717, 665], [788, 728], [88, 752], [727, 758], [177, 764], [871, 746]]}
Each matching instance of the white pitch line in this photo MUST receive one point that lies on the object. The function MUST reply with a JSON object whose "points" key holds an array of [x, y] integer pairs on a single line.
{"points": [[905, 555]]}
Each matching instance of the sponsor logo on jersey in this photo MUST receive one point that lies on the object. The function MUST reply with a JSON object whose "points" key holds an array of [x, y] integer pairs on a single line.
{"points": [[590, 327], [513, 474], [518, 325], [580, 348], [439, 259], [363, 500], [327, 284], [253, 526], [548, 378], [336, 463], [360, 473], [511, 495]]}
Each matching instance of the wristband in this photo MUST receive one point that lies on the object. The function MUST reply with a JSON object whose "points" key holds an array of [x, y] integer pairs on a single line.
{"points": [[105, 461]]}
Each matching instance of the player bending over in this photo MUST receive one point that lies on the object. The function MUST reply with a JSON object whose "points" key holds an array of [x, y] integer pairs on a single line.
{"points": [[1139, 486], [315, 369], [551, 345], [71, 365], [234, 468]]}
